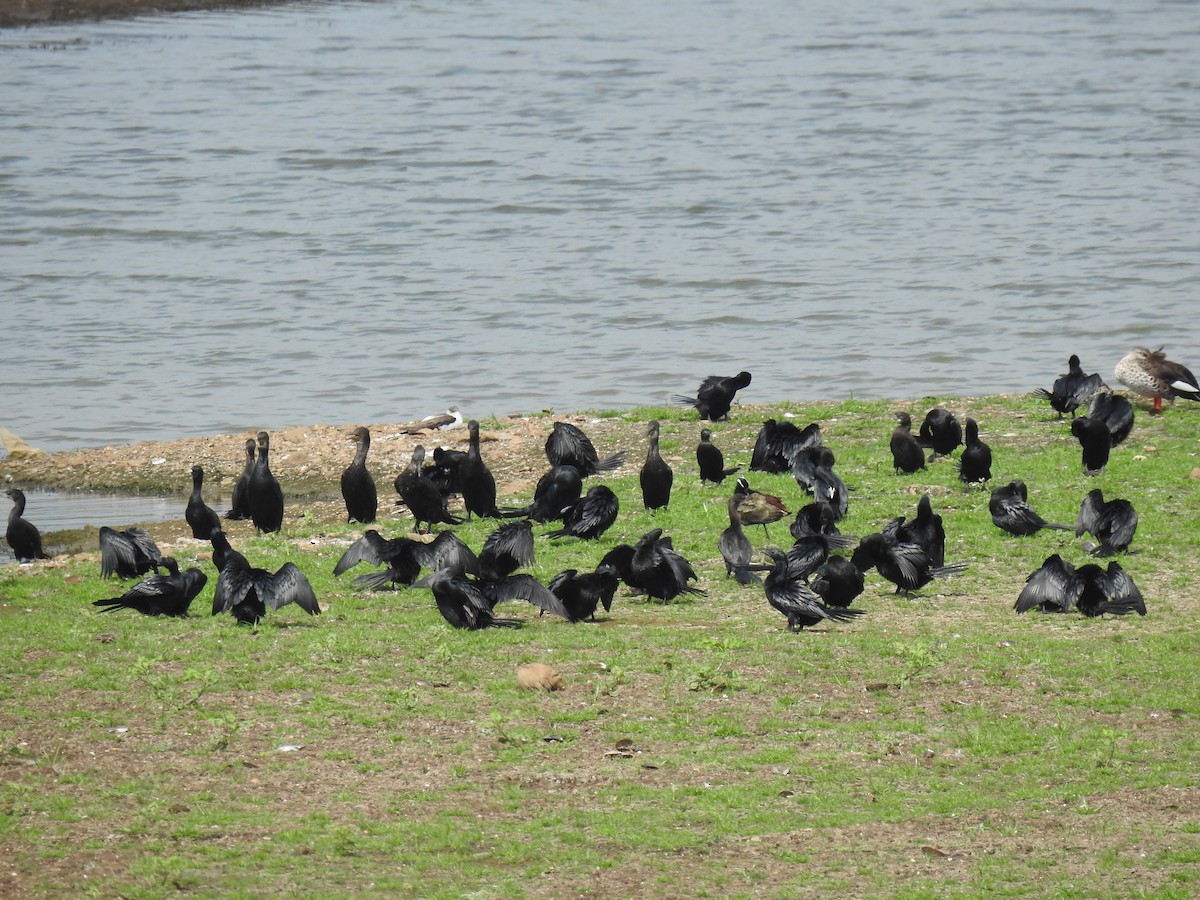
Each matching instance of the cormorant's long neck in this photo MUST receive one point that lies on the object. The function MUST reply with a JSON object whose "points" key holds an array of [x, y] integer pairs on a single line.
{"points": [[360, 455]]}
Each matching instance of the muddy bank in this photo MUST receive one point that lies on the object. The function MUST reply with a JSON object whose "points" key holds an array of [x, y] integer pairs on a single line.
{"points": [[25, 13], [309, 460]]}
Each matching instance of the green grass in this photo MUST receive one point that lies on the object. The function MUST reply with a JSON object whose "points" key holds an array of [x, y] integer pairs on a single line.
{"points": [[937, 746]]}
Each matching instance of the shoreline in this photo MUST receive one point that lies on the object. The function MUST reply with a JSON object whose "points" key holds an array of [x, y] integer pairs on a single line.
{"points": [[312, 457], [18, 14]]}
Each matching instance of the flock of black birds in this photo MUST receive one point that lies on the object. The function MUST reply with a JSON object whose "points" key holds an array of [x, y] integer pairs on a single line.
{"points": [[811, 582]]}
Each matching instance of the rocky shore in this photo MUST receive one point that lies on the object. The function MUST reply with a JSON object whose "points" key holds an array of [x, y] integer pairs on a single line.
{"points": [[26, 13]]}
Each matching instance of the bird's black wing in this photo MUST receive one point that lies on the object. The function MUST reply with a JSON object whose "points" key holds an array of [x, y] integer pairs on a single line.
{"points": [[288, 585], [526, 587], [369, 548], [118, 553], [1052, 588]]}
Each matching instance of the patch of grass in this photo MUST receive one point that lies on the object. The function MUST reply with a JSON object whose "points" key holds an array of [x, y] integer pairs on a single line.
{"points": [[938, 746]]}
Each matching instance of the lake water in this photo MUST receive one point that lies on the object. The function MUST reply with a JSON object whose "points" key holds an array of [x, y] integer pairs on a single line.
{"points": [[358, 212]]}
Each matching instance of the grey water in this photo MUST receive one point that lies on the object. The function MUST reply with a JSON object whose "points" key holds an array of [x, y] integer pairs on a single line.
{"points": [[365, 212]]}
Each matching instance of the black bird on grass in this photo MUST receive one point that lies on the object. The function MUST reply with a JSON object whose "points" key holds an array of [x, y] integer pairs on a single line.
{"points": [[201, 517], [582, 593], [777, 444], [358, 487], [904, 563], [1109, 591], [1011, 512], [160, 595], [463, 603], [476, 481], [1052, 587], [405, 558], [1115, 412], [264, 496], [1113, 523], [1072, 390], [924, 529], [505, 550], [817, 517], [590, 516], [1096, 442], [127, 554], [813, 470], [223, 553], [940, 431], [907, 453], [1058, 587], [838, 582], [238, 508], [811, 551], [800, 604], [22, 535], [248, 592], [656, 475], [735, 548], [444, 471], [658, 570], [557, 491], [975, 463], [421, 495], [711, 460], [567, 445], [714, 396]]}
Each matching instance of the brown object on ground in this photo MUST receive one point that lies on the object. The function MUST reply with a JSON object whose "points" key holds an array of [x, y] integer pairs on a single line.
{"points": [[538, 677]]}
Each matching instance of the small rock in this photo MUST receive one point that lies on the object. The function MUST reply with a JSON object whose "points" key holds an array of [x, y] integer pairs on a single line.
{"points": [[538, 677]]}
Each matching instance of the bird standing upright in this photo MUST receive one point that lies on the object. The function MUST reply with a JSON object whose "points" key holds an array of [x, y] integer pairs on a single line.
{"points": [[656, 475], [201, 517], [907, 455], [358, 487], [421, 495], [238, 508], [22, 535], [1096, 441], [264, 496], [734, 546], [476, 479], [975, 463], [711, 460]]}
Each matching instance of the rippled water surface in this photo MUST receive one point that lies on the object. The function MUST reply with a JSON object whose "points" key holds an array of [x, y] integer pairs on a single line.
{"points": [[366, 212]]}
